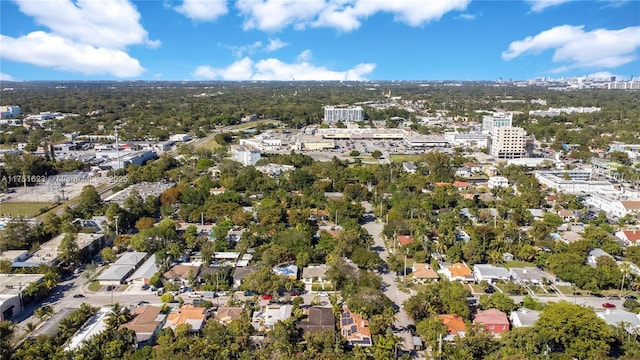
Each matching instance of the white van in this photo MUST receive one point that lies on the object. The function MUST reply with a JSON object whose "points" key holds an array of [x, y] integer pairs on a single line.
{"points": [[195, 295]]}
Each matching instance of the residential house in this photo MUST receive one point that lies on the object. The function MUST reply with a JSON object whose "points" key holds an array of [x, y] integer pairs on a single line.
{"points": [[182, 274], [567, 215], [423, 273], [187, 314], [227, 314], [615, 317], [289, 270], [473, 167], [524, 317], [315, 274], [507, 256], [463, 172], [493, 320], [318, 319], [95, 325], [354, 328], [497, 182], [213, 273], [630, 237], [240, 273], [146, 323], [529, 276], [594, 254], [489, 273], [409, 167], [458, 272], [405, 240], [266, 319], [217, 190], [455, 326], [461, 185]]}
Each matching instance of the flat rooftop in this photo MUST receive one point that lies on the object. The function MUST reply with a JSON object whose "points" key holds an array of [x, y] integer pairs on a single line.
{"points": [[12, 284]]}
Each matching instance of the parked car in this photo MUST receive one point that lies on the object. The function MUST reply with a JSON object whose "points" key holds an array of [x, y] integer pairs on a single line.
{"points": [[249, 293], [490, 290], [323, 294], [142, 303], [145, 286], [266, 297], [77, 296], [608, 306], [614, 297], [631, 297]]}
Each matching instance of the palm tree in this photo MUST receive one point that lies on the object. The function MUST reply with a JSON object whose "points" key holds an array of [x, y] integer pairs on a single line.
{"points": [[625, 269], [119, 315], [30, 327]]}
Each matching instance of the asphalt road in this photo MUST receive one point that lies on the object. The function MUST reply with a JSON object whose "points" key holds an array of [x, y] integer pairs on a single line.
{"points": [[374, 227]]}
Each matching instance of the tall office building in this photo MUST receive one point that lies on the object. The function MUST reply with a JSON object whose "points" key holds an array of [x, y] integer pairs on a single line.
{"points": [[508, 142], [497, 120], [333, 114]]}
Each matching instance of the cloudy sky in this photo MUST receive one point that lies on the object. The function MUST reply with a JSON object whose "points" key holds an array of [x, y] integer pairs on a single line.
{"points": [[317, 39]]}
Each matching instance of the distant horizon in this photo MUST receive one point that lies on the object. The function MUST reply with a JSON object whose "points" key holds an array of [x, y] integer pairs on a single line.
{"points": [[317, 40]]}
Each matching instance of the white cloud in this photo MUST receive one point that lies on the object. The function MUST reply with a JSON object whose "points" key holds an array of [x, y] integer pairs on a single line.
{"points": [[258, 46], [202, 10], [540, 5], [345, 15], [275, 44], [104, 23], [86, 36], [274, 69], [306, 55], [575, 48], [6, 77], [48, 50], [467, 16]]}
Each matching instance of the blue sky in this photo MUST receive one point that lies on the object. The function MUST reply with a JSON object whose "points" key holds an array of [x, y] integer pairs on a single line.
{"points": [[317, 39]]}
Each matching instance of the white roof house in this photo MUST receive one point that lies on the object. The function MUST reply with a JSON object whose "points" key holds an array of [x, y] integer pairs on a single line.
{"points": [[524, 317], [490, 273], [93, 326], [615, 317]]}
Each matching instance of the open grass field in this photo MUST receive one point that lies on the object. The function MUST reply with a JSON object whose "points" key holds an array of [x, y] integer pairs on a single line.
{"points": [[23, 208], [399, 158]]}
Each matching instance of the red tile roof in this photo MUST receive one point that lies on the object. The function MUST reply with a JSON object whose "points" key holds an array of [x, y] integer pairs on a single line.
{"points": [[405, 240], [632, 235], [454, 323]]}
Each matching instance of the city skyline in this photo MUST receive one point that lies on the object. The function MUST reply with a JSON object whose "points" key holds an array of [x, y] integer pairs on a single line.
{"points": [[317, 40]]}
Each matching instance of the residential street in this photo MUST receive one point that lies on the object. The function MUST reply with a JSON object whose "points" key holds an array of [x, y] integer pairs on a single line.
{"points": [[374, 227]]}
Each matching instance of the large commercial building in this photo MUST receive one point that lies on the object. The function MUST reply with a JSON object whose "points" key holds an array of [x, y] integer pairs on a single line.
{"points": [[508, 142], [9, 111], [333, 114], [489, 123]]}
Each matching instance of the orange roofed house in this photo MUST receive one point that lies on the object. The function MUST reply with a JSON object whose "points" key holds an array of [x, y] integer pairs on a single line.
{"points": [[459, 272], [405, 240], [187, 314], [355, 329], [493, 320], [455, 326], [630, 237]]}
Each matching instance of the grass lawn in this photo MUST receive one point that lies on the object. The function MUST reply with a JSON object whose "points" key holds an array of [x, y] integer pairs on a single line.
{"points": [[477, 289], [253, 124], [94, 286], [210, 145], [23, 208], [537, 290], [518, 264], [398, 158], [567, 290]]}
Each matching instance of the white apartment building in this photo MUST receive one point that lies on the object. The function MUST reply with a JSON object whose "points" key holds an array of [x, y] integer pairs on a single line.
{"points": [[614, 206], [469, 139], [489, 123], [508, 142], [576, 182], [245, 155], [333, 114]]}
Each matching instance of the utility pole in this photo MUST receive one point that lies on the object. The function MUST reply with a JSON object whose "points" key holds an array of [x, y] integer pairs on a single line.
{"points": [[404, 278]]}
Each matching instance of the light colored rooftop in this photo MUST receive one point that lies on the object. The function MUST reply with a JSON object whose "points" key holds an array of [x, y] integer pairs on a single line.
{"points": [[13, 284], [93, 326]]}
